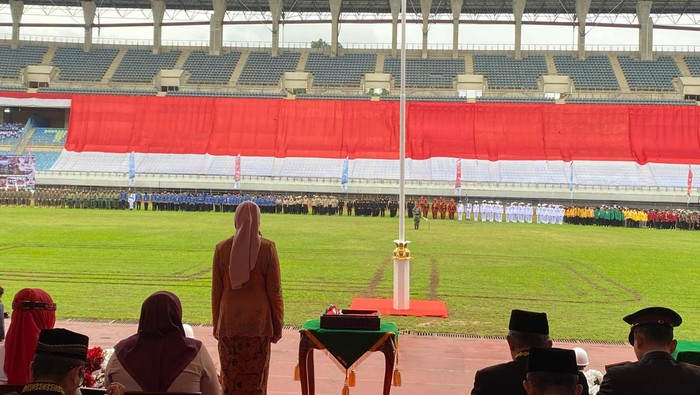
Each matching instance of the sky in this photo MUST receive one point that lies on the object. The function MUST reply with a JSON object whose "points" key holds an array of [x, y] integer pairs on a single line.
{"points": [[351, 35]]}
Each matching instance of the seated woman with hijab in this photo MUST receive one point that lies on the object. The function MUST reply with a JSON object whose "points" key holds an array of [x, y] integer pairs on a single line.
{"points": [[32, 310], [160, 358]]}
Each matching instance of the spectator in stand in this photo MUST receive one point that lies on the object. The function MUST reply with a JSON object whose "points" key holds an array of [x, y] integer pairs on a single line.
{"points": [[32, 311], [160, 357]]}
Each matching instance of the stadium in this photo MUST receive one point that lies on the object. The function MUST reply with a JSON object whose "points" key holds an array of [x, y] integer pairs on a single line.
{"points": [[577, 124]]}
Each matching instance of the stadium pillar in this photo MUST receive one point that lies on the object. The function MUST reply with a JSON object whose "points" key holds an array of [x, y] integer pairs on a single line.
{"points": [[456, 12], [216, 27], [335, 16], [395, 10], [89, 8], [276, 11], [646, 30], [158, 8], [582, 8], [16, 8], [425, 6], [518, 10]]}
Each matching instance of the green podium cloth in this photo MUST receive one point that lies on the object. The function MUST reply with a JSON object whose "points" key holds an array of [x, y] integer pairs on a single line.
{"points": [[687, 351], [349, 345]]}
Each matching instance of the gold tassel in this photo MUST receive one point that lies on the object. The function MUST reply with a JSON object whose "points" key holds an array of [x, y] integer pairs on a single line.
{"points": [[346, 387], [352, 378], [297, 374], [397, 378]]}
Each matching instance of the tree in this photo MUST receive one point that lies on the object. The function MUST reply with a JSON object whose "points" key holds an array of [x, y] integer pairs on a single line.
{"points": [[321, 43]]}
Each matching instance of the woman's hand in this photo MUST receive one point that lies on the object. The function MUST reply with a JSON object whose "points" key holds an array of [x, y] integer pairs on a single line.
{"points": [[115, 389]]}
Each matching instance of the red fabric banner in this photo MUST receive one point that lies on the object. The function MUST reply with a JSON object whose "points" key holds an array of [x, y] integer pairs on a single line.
{"points": [[367, 129], [690, 180]]}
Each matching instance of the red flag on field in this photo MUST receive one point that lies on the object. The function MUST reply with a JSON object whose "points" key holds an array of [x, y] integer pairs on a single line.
{"points": [[690, 180], [458, 179]]}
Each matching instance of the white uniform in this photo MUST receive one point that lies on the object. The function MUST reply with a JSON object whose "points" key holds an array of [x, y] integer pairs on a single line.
{"points": [[131, 199], [468, 210], [460, 211]]}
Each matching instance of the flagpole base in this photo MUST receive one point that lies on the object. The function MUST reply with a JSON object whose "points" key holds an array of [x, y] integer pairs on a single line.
{"points": [[402, 275]]}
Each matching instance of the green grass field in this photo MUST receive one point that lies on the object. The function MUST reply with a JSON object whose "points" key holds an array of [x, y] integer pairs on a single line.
{"points": [[103, 264]]}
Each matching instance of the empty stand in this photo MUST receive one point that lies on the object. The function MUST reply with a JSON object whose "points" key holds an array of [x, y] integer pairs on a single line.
{"points": [[48, 137], [263, 69], [425, 73], [668, 175], [44, 160], [654, 75], [513, 99], [503, 72], [13, 60], [594, 72], [655, 102], [200, 93], [77, 65], [302, 167], [211, 69], [140, 65], [344, 70], [100, 91], [609, 173], [693, 63]]}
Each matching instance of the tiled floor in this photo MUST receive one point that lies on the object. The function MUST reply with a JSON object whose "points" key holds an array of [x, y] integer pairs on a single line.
{"points": [[429, 365]]}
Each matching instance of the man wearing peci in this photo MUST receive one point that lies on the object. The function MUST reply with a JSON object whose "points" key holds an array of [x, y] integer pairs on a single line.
{"points": [[526, 330]]}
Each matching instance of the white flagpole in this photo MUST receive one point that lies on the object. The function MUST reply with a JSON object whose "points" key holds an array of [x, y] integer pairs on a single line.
{"points": [[402, 255]]}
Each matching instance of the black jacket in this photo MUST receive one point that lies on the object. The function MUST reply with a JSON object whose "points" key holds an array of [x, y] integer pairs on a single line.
{"points": [[507, 379], [656, 373]]}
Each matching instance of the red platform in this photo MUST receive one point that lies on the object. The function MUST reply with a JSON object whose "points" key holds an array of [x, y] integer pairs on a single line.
{"points": [[418, 308]]}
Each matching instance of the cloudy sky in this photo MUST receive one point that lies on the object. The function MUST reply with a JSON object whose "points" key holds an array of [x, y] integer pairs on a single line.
{"points": [[350, 34]]}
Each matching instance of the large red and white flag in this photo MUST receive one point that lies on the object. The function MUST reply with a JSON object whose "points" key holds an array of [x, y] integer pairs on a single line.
{"points": [[690, 180]]}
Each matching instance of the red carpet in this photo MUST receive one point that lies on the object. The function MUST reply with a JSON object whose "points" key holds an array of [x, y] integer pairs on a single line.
{"points": [[418, 308]]}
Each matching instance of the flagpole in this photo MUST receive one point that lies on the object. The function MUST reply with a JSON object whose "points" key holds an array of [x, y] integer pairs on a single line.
{"points": [[402, 255]]}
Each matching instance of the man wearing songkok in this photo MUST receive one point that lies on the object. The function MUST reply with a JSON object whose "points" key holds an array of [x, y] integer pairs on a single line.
{"points": [[655, 372], [526, 330], [552, 371], [58, 367]]}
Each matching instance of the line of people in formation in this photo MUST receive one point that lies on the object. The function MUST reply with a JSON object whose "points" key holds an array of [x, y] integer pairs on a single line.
{"points": [[484, 211], [164, 356]]}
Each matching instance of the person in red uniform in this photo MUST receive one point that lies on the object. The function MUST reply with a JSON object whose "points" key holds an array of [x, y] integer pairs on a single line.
{"points": [[424, 206], [443, 208], [435, 207], [452, 208]]}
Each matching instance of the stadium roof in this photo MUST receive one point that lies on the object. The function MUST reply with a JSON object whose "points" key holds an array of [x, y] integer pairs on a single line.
{"points": [[382, 6]]}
